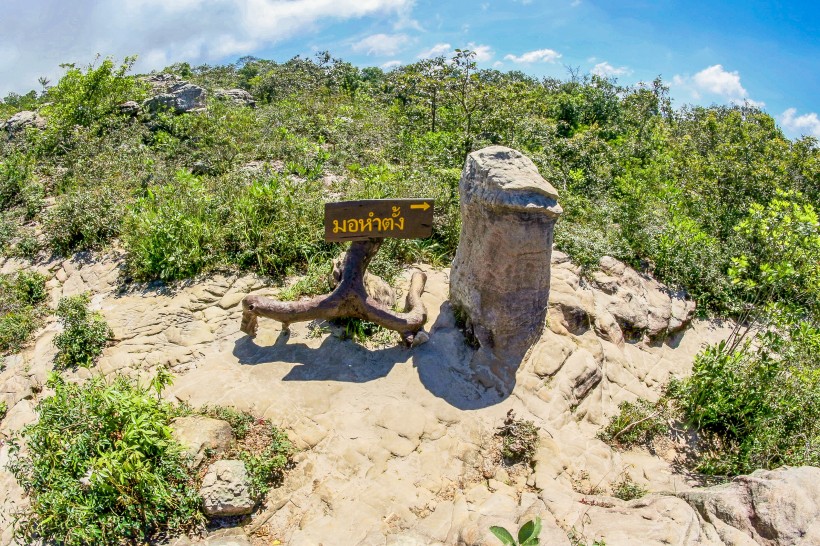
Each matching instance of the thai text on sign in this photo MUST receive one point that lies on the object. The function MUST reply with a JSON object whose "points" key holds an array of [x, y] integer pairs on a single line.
{"points": [[378, 218]]}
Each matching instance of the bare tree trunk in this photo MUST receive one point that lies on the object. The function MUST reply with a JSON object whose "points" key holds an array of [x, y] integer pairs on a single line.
{"points": [[348, 300]]}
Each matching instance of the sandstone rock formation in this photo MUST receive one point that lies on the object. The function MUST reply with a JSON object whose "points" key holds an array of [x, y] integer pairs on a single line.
{"points": [[619, 304], [130, 108], [777, 507], [237, 96], [501, 273], [18, 123], [226, 490], [180, 98], [397, 446], [198, 433]]}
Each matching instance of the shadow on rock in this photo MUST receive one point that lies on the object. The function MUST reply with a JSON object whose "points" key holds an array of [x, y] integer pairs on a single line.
{"points": [[333, 360], [443, 363]]}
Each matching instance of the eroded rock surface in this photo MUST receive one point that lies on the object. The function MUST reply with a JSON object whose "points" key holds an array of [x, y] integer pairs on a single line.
{"points": [[501, 272], [397, 444], [226, 490], [181, 97], [773, 508], [237, 96], [200, 434], [18, 123]]}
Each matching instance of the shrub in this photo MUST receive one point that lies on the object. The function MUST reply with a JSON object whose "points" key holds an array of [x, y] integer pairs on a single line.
{"points": [[84, 336], [276, 226], [119, 477], [173, 232], [519, 439], [90, 98], [84, 219], [15, 176], [20, 312], [755, 397], [4, 408], [626, 489], [266, 467], [637, 423]]}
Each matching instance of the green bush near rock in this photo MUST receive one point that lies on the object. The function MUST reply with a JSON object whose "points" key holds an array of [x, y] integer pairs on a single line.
{"points": [[84, 336], [21, 308], [100, 467]]}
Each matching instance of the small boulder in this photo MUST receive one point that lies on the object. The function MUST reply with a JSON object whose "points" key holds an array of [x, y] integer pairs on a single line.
{"points": [[199, 434], [20, 121], [226, 490], [236, 96], [130, 108]]}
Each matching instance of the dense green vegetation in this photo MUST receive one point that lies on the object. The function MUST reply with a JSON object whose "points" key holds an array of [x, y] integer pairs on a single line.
{"points": [[21, 309], [712, 200], [117, 477], [85, 333], [100, 466]]}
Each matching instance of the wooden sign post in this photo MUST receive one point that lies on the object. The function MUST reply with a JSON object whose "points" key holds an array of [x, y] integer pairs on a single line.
{"points": [[366, 224], [378, 218]]}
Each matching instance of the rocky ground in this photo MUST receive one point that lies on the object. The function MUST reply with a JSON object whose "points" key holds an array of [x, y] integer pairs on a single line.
{"points": [[397, 445]]}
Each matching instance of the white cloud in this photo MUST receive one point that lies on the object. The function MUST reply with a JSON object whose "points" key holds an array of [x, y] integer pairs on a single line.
{"points": [[483, 53], [38, 35], [720, 82], [605, 70], [436, 50], [382, 44], [806, 124], [498, 64], [539, 55], [390, 64]]}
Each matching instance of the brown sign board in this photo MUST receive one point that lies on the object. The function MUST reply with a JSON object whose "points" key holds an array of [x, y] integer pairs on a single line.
{"points": [[378, 218]]}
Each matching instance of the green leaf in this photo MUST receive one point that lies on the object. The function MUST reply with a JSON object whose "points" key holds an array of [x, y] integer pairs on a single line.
{"points": [[530, 531], [503, 535]]}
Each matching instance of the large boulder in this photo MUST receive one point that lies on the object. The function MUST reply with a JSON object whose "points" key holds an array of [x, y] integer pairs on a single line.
{"points": [[182, 97], [769, 507], [20, 121], [226, 490], [200, 435], [500, 278]]}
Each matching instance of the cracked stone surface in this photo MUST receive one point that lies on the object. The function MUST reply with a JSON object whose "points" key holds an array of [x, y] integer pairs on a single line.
{"points": [[397, 443]]}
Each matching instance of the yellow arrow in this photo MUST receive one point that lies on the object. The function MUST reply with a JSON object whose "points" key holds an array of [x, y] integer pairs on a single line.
{"points": [[423, 206]]}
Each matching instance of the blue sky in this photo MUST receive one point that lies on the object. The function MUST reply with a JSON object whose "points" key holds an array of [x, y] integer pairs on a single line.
{"points": [[767, 53]]}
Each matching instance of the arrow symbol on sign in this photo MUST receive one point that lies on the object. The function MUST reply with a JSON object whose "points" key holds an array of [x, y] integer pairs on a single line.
{"points": [[423, 206]]}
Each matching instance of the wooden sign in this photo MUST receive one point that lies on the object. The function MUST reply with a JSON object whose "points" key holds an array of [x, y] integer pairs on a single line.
{"points": [[376, 218]]}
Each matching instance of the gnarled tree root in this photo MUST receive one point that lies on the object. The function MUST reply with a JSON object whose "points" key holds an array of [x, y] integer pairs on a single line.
{"points": [[348, 300]]}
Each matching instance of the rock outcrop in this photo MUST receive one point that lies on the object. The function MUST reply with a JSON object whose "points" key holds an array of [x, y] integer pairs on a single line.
{"points": [[181, 97], [236, 96], [500, 280], [20, 121], [226, 490], [769, 507], [619, 304], [397, 446]]}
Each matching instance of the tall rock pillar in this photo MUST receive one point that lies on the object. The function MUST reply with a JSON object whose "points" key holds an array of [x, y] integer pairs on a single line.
{"points": [[500, 279]]}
